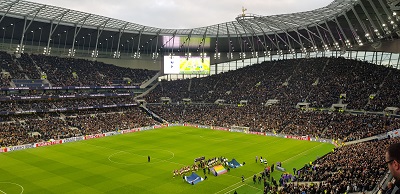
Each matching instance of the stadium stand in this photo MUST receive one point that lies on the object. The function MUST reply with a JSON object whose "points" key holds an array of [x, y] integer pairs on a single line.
{"points": [[69, 71], [319, 81], [290, 81], [359, 173], [322, 124], [43, 127]]}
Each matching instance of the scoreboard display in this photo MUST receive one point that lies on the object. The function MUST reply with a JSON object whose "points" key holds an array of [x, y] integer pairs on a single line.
{"points": [[186, 66]]}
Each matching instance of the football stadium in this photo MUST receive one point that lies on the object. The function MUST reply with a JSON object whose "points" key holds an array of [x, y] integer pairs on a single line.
{"points": [[297, 103]]}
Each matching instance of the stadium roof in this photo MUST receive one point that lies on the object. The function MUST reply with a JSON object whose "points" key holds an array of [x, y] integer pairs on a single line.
{"points": [[20, 8], [339, 25]]}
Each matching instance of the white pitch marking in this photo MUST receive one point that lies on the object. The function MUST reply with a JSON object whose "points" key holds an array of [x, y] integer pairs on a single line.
{"points": [[22, 188]]}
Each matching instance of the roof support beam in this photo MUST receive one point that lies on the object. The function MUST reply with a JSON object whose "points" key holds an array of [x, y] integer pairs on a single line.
{"points": [[250, 27], [383, 23], [288, 35], [258, 41], [345, 41], [299, 34], [21, 45], [51, 32], [76, 32], [216, 44], [121, 31], [240, 40], [273, 41], [156, 50], [137, 54], [229, 54], [360, 21], [376, 30], [388, 13], [203, 40], [99, 32], [188, 44], [354, 32], [335, 43], [321, 37]]}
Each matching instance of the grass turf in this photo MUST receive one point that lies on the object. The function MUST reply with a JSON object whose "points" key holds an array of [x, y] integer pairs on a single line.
{"points": [[118, 164]]}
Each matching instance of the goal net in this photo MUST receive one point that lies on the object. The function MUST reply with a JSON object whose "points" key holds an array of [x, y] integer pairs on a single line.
{"points": [[240, 129]]}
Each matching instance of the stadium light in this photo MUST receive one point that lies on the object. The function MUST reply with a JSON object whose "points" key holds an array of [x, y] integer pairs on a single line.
{"points": [[314, 48], [188, 55], [336, 45], [116, 55], [71, 53], [217, 55], [254, 54], [229, 55], [359, 41], [154, 56], [369, 38], [348, 44], [20, 49], [267, 53], [326, 47], [95, 53], [46, 51], [136, 55]]}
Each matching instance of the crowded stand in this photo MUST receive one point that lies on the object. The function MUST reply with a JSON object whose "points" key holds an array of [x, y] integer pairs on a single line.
{"points": [[318, 81], [45, 104], [388, 94], [43, 127], [80, 72], [274, 119], [28, 67], [7, 64], [358, 80], [339, 173], [69, 71]]}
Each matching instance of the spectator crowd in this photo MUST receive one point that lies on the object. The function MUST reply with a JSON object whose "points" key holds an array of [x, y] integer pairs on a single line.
{"points": [[32, 129], [318, 81], [69, 71], [353, 168], [275, 119]]}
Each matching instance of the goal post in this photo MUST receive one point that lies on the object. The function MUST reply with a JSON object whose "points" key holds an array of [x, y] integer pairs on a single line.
{"points": [[240, 129]]}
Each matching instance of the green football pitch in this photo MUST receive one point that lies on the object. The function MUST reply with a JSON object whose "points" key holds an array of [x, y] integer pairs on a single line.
{"points": [[118, 164]]}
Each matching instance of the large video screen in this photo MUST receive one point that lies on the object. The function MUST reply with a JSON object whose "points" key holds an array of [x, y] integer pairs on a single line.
{"points": [[187, 66], [177, 42]]}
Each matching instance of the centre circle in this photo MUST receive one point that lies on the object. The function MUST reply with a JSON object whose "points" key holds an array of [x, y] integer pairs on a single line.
{"points": [[141, 156]]}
